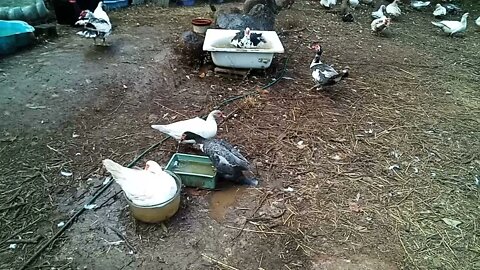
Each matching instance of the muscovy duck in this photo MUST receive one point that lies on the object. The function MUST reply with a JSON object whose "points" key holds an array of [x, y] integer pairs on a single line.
{"points": [[147, 187], [380, 12], [380, 24], [439, 11], [247, 39], [96, 24], [393, 9], [353, 3], [324, 74], [328, 3], [416, 4], [226, 159], [205, 128], [452, 8], [453, 27]]}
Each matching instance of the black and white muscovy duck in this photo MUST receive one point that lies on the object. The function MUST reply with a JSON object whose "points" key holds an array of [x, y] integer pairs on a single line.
{"points": [[96, 24], [247, 39], [226, 159], [380, 24], [324, 74]]}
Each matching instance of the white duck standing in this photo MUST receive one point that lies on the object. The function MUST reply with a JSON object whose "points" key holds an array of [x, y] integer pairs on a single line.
{"points": [[147, 187], [379, 13], [328, 3], [439, 11], [393, 9], [453, 27], [380, 24], [205, 128], [324, 74]]}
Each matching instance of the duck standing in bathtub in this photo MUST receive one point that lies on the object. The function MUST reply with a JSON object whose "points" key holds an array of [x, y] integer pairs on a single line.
{"points": [[246, 39]]}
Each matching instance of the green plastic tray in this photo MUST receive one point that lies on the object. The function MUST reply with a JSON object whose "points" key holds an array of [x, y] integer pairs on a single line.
{"points": [[195, 171]]}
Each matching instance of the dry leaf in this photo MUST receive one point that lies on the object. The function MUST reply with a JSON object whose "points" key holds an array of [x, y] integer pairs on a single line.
{"points": [[452, 222], [354, 207]]}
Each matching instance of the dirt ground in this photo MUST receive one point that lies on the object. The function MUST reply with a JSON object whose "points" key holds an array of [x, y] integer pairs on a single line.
{"points": [[376, 172]]}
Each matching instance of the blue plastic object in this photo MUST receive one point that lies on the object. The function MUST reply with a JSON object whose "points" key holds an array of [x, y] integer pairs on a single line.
{"points": [[15, 35], [114, 4], [188, 3], [23, 10]]}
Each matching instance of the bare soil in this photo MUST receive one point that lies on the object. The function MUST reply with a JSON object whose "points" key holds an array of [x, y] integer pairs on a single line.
{"points": [[375, 172]]}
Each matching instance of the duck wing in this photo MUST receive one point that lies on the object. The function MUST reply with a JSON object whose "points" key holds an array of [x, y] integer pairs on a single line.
{"points": [[223, 157], [322, 73], [239, 158], [196, 125]]}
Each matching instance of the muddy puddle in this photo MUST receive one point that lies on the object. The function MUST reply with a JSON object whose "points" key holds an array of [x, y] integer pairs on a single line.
{"points": [[222, 201]]}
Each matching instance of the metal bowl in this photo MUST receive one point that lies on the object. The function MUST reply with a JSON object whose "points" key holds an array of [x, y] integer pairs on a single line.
{"points": [[160, 212]]}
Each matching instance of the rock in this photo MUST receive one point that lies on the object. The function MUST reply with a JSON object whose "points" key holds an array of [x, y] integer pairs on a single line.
{"points": [[259, 18], [192, 44], [192, 39]]}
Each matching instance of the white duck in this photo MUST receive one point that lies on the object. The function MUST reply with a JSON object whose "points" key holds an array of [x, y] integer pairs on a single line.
{"points": [[379, 13], [453, 27], [477, 21], [380, 24], [353, 3], [419, 4], [328, 3], [147, 187], [205, 128], [393, 9], [439, 11]]}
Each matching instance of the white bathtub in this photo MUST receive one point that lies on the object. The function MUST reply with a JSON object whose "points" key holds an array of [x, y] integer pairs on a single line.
{"points": [[217, 41]]}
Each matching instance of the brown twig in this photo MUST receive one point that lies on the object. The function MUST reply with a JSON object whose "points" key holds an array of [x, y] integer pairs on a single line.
{"points": [[212, 260], [252, 215], [254, 231], [124, 238], [25, 241]]}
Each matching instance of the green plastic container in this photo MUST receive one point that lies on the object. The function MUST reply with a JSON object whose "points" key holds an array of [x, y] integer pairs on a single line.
{"points": [[195, 171]]}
